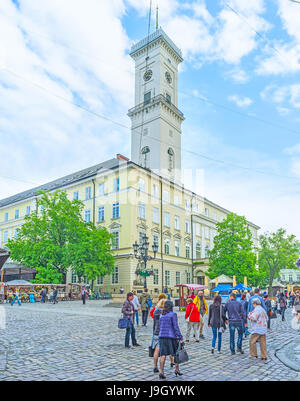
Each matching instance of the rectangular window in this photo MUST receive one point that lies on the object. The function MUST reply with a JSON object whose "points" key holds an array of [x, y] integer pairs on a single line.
{"points": [[177, 223], [88, 193], [142, 210], [207, 232], [115, 243], [187, 226], [155, 215], [101, 189], [87, 216], [166, 197], [198, 229], [147, 97], [156, 241], [116, 184], [142, 185], [188, 278], [178, 278], [177, 248], [76, 195], [6, 217], [176, 200], [100, 280], [17, 213], [215, 216], [167, 247], [188, 251], [198, 250], [206, 212], [155, 191], [27, 210], [115, 276], [168, 98], [100, 213], [116, 210], [167, 219], [187, 204], [167, 277], [5, 236], [155, 277], [74, 277]]}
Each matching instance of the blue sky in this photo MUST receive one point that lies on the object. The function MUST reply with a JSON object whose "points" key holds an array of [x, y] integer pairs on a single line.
{"points": [[240, 67]]}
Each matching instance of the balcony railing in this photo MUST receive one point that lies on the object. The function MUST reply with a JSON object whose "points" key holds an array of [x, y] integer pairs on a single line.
{"points": [[152, 101]]}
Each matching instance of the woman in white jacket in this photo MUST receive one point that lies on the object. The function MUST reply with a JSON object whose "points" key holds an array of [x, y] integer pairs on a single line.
{"points": [[258, 328]]}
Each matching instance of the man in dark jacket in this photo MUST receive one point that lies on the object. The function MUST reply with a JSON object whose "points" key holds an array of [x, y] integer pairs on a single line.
{"points": [[269, 309], [128, 312], [144, 300], [55, 294], [236, 317]]}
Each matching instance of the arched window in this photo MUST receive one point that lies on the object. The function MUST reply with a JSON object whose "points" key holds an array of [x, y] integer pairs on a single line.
{"points": [[171, 159], [145, 156]]}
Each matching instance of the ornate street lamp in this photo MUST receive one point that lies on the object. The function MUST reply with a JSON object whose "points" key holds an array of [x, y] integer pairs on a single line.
{"points": [[141, 253]]}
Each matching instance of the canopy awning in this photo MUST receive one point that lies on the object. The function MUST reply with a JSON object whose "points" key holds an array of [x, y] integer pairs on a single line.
{"points": [[19, 283], [222, 287], [240, 287], [4, 255], [198, 287], [222, 280]]}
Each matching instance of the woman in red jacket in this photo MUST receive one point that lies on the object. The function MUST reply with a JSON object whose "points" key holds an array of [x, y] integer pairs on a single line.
{"points": [[192, 319]]}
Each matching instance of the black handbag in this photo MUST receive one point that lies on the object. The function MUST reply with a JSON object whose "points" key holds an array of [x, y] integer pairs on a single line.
{"points": [[181, 355], [124, 323], [151, 352]]}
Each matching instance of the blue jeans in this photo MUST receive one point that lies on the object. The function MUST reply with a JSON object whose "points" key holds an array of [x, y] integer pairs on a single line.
{"points": [[137, 318], [130, 332], [216, 333], [240, 330], [16, 299]]}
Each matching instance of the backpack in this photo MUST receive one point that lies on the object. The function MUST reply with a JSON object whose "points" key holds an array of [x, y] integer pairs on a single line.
{"points": [[268, 305], [149, 302]]}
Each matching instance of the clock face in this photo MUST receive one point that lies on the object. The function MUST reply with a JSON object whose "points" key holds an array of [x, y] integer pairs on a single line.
{"points": [[148, 75], [168, 77]]}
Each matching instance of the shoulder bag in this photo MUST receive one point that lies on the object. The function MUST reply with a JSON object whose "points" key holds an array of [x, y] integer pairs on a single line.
{"points": [[188, 318], [181, 355], [124, 323]]}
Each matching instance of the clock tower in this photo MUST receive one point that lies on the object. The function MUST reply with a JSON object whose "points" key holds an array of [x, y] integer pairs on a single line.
{"points": [[156, 119]]}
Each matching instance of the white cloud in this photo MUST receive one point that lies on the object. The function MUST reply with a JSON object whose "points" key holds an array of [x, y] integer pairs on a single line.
{"points": [[238, 75], [288, 94], [240, 101]]}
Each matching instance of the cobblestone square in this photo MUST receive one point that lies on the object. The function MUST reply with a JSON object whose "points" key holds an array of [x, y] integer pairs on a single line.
{"points": [[71, 341]]}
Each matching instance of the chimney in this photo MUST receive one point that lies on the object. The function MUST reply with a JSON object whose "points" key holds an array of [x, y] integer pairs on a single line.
{"points": [[121, 157]]}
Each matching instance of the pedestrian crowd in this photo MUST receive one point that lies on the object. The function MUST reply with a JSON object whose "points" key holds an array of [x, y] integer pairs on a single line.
{"points": [[249, 316]]}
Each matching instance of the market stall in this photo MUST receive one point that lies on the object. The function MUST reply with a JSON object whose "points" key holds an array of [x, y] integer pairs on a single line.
{"points": [[185, 294]]}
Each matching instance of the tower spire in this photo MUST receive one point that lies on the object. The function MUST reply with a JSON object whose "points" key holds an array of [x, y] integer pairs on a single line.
{"points": [[156, 22]]}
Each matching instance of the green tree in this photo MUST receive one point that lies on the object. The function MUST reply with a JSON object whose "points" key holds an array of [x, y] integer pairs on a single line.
{"points": [[233, 253], [277, 251], [55, 238]]}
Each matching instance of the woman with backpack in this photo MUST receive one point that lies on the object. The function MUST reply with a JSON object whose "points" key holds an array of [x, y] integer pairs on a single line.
{"points": [[193, 320], [216, 320]]}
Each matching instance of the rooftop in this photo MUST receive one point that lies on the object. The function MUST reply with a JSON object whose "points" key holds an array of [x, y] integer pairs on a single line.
{"points": [[159, 33]]}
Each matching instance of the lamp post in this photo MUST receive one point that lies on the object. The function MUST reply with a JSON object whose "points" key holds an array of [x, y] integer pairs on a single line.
{"points": [[141, 253]]}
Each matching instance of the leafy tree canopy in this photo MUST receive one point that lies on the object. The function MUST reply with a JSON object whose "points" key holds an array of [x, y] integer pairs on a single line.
{"points": [[233, 253], [277, 251], [55, 238]]}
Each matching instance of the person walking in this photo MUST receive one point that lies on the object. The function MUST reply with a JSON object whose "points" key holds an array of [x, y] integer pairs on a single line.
{"points": [[216, 320], [236, 317], [193, 295], [256, 295], [245, 303], [54, 295], [248, 295], [192, 319], [258, 326], [282, 305], [128, 312], [137, 307], [269, 309], [146, 303], [296, 303], [83, 295], [201, 304], [43, 294], [16, 297], [169, 337], [156, 329]]}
